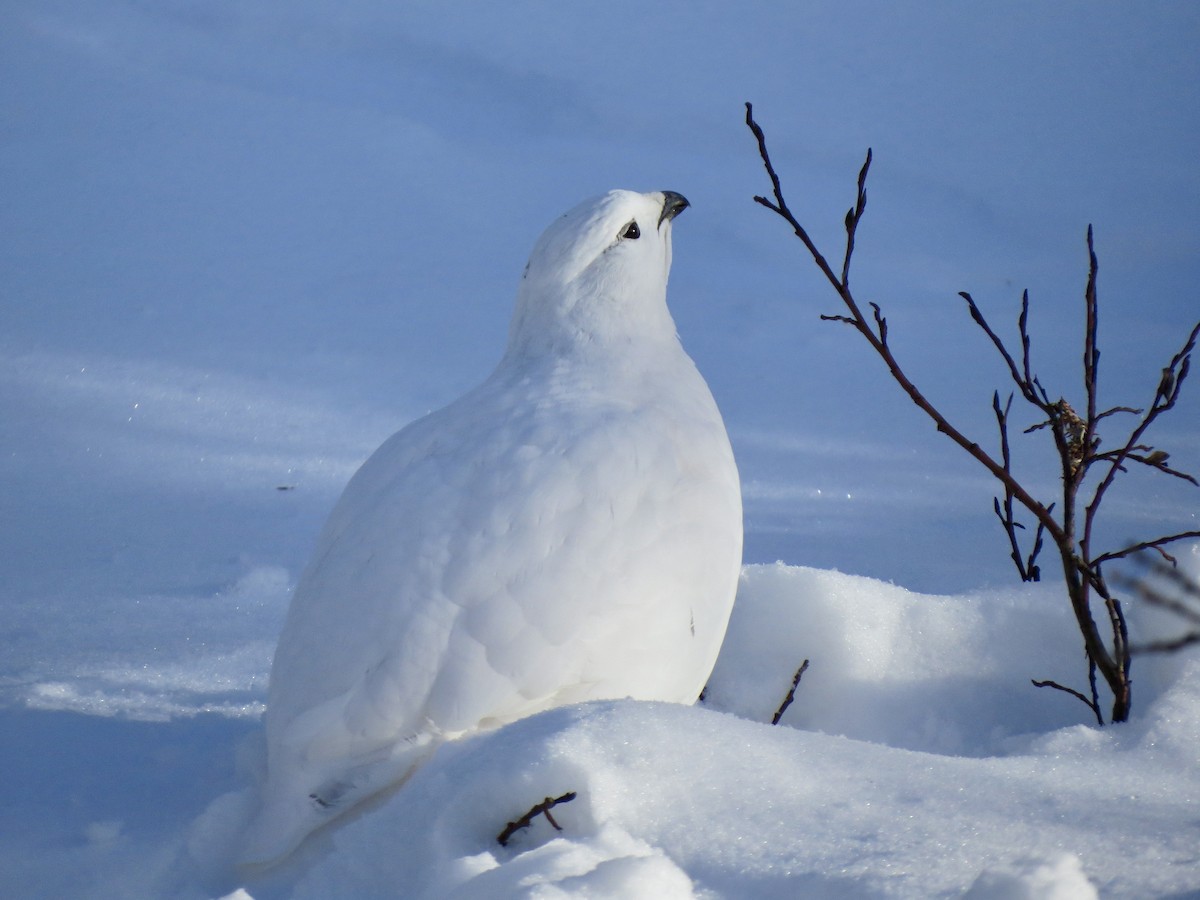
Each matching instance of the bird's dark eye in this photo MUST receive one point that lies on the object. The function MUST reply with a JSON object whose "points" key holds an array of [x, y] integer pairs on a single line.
{"points": [[631, 231]]}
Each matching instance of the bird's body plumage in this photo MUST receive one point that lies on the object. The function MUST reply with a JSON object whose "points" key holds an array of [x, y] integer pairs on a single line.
{"points": [[569, 530]]}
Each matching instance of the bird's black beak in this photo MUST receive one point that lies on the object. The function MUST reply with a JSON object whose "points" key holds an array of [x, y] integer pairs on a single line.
{"points": [[673, 205]]}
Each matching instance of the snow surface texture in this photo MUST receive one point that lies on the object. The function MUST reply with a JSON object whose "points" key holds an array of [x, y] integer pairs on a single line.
{"points": [[676, 801], [712, 801], [569, 530], [244, 243]]}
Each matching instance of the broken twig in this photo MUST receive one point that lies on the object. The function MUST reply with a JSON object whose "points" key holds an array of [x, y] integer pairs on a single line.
{"points": [[791, 694], [541, 809]]}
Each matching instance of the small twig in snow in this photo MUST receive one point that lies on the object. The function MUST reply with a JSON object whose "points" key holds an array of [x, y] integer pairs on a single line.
{"points": [[540, 809], [791, 694], [1091, 704]]}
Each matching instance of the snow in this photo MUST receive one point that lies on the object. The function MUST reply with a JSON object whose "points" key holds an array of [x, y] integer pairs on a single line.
{"points": [[894, 773], [241, 244]]}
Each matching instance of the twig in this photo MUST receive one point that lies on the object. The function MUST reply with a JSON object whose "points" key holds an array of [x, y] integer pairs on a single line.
{"points": [[1156, 544], [1091, 361], [1165, 397], [1027, 567], [1076, 441], [1090, 704], [1173, 645], [1184, 606], [791, 694], [541, 809], [859, 322], [852, 219], [1021, 377]]}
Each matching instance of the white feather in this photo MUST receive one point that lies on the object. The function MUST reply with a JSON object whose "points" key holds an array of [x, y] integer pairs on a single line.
{"points": [[570, 529]]}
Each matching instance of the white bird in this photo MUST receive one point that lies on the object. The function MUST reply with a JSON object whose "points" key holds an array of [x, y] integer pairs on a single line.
{"points": [[569, 530]]}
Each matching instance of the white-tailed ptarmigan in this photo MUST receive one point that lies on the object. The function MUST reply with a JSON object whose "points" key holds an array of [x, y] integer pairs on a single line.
{"points": [[569, 530]]}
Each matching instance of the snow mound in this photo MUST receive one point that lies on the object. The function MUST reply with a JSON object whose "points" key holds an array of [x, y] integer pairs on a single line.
{"points": [[676, 801], [923, 672], [1061, 878]]}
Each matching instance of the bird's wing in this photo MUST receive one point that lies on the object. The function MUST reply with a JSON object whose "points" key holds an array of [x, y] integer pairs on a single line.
{"points": [[487, 562]]}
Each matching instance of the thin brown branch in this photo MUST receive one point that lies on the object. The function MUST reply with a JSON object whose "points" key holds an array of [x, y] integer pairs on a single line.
{"points": [[1118, 409], [1180, 597], [836, 318], [859, 321], [1155, 544], [1095, 693], [853, 217], [780, 207], [540, 809], [791, 694], [1023, 330], [1121, 658], [1021, 377], [1027, 567], [1091, 358], [1076, 441], [1156, 595], [1165, 397], [1090, 704], [1155, 459], [1171, 604], [1168, 568], [1173, 645]]}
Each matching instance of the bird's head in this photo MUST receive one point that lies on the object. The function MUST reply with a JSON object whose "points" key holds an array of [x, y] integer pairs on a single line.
{"points": [[598, 275]]}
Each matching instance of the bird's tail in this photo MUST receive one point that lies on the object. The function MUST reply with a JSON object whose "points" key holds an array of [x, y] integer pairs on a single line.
{"points": [[289, 812], [279, 827]]}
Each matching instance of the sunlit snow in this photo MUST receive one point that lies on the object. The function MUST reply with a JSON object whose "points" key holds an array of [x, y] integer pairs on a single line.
{"points": [[243, 243]]}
